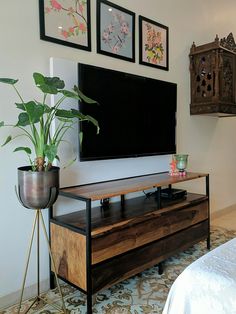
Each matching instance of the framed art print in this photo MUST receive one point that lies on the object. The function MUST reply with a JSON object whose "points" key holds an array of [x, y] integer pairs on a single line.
{"points": [[153, 44], [66, 22], [115, 31]]}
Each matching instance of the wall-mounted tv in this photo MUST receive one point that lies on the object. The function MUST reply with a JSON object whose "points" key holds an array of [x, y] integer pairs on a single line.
{"points": [[136, 115]]}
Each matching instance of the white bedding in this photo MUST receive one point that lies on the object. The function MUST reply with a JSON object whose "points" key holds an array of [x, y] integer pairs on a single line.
{"points": [[207, 286]]}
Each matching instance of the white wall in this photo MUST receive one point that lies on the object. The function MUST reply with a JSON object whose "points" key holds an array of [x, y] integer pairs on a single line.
{"points": [[210, 142]]}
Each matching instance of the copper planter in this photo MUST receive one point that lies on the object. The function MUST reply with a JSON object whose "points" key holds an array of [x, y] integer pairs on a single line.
{"points": [[38, 190]]}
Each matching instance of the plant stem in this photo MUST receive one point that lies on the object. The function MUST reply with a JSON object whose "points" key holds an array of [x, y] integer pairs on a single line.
{"points": [[18, 94]]}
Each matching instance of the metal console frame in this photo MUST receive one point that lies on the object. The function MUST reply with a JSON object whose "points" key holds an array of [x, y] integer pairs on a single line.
{"points": [[87, 233]]}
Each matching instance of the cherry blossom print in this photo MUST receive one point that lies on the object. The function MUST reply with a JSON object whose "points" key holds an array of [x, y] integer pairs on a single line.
{"points": [[116, 32], [56, 5], [73, 15], [153, 46], [124, 28]]}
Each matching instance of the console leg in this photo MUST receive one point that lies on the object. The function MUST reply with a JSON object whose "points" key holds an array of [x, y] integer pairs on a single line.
{"points": [[52, 280], [89, 303], [208, 243], [160, 268]]}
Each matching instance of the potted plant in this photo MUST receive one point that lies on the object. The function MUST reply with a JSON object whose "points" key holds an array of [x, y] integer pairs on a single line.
{"points": [[39, 182]]}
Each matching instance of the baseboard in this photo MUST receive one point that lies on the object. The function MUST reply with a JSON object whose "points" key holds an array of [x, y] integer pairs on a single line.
{"points": [[29, 292], [223, 212]]}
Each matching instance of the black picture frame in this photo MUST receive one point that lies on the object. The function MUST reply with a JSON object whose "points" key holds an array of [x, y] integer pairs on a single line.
{"points": [[56, 27], [115, 31], [153, 44]]}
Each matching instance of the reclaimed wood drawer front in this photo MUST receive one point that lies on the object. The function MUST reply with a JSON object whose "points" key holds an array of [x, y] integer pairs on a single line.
{"points": [[155, 227], [69, 251], [114, 270]]}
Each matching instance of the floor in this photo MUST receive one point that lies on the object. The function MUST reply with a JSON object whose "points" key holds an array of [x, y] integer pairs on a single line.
{"points": [[225, 219]]}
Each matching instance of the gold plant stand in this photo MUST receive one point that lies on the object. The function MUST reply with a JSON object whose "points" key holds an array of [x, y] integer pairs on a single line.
{"points": [[36, 225]]}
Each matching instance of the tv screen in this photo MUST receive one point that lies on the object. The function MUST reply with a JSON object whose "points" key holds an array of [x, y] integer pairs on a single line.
{"points": [[136, 115]]}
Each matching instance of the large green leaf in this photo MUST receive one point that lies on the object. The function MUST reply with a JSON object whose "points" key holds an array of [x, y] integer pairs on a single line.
{"points": [[69, 94], [8, 139], [25, 149], [81, 135], [35, 111], [64, 113], [83, 97], [38, 79], [32, 115], [46, 109], [94, 122], [64, 120], [55, 82], [20, 106], [82, 117], [23, 119], [8, 81], [48, 85], [77, 114], [50, 152]]}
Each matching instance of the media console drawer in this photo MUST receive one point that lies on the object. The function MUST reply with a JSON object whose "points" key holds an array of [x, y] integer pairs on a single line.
{"points": [[135, 234], [133, 262], [69, 246]]}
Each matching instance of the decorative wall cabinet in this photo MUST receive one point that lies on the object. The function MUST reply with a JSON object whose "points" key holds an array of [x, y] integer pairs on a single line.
{"points": [[213, 82]]}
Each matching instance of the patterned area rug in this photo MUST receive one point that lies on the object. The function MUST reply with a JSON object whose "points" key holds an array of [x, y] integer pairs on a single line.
{"points": [[142, 294]]}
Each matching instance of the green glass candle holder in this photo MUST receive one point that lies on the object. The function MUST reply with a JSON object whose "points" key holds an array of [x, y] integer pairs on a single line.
{"points": [[181, 163]]}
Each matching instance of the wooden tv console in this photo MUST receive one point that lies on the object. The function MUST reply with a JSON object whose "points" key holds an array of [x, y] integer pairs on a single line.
{"points": [[99, 246]]}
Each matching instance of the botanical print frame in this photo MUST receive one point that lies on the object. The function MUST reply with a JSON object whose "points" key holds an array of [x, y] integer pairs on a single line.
{"points": [[153, 44], [115, 31], [66, 22]]}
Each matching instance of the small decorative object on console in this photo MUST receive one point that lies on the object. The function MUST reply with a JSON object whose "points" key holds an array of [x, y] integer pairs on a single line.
{"points": [[181, 163], [173, 168]]}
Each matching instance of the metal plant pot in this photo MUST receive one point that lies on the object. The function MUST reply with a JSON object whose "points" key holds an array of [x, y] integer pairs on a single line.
{"points": [[38, 190]]}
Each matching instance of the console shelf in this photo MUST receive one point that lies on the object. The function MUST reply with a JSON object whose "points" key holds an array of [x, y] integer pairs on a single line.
{"points": [[101, 245]]}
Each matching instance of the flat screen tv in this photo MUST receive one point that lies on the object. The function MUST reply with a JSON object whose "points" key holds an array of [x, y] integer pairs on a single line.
{"points": [[136, 115]]}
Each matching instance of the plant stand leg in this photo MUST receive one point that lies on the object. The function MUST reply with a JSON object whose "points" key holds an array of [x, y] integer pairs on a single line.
{"points": [[53, 262], [38, 217]]}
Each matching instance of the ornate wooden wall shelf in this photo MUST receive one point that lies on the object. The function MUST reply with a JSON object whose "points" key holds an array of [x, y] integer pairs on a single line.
{"points": [[213, 71]]}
